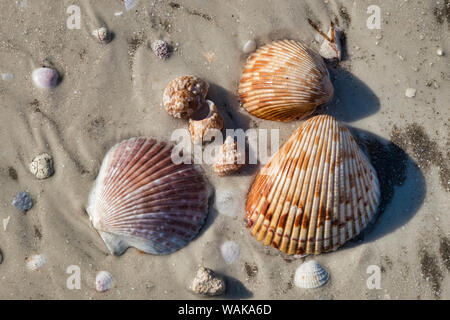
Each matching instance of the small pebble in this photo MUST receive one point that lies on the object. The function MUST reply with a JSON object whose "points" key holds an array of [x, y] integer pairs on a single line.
{"points": [[249, 46], [22, 201], [440, 52], [42, 166], [410, 92], [161, 49], [207, 283]]}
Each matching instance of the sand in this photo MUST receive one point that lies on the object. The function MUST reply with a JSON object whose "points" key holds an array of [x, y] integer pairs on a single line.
{"points": [[112, 92]]}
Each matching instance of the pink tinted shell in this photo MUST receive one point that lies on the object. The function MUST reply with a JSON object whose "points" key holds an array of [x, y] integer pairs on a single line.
{"points": [[142, 199], [45, 78]]}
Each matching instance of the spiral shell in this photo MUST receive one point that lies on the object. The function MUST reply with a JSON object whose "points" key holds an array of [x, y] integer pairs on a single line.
{"points": [[199, 128], [142, 199], [316, 193], [310, 275], [184, 95], [284, 81], [228, 159]]}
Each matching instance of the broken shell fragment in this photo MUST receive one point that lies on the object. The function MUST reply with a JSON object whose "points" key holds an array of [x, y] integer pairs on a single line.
{"points": [[284, 81], [310, 275], [103, 281], [45, 78], [331, 43], [42, 166], [207, 283], [102, 35], [199, 129], [35, 262], [184, 95], [316, 193], [228, 159], [142, 199]]}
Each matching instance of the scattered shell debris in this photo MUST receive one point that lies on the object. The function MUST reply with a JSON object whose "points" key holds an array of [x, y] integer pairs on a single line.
{"points": [[42, 166], [22, 201], [206, 283]]}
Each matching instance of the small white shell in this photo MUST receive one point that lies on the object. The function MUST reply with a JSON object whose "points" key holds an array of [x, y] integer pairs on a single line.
{"points": [[230, 251], [310, 275], [249, 46], [102, 34], [42, 166], [103, 281], [35, 262], [45, 78]]}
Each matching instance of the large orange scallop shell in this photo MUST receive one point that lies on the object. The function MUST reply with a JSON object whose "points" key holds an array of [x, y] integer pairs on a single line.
{"points": [[142, 199], [316, 193], [284, 81]]}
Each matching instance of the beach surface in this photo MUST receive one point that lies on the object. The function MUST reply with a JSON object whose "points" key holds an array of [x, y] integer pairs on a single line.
{"points": [[111, 92]]}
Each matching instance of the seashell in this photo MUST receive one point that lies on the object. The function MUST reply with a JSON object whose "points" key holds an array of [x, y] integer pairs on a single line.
{"points": [[161, 49], [102, 34], [142, 199], [310, 275], [184, 95], [249, 46], [199, 128], [317, 192], [42, 166], [35, 262], [228, 159], [284, 81], [230, 251], [103, 281], [22, 201], [331, 45], [45, 78]]}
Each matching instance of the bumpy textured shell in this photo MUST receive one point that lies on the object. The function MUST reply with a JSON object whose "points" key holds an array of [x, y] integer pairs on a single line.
{"points": [[142, 199], [284, 81], [310, 275], [228, 159], [316, 193], [184, 95], [199, 128]]}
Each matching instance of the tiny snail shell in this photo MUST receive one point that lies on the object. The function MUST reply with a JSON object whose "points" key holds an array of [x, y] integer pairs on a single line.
{"points": [[45, 78]]}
